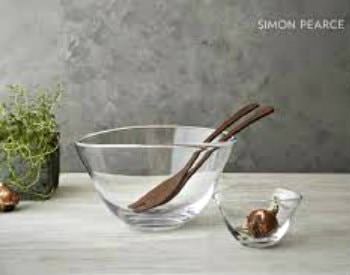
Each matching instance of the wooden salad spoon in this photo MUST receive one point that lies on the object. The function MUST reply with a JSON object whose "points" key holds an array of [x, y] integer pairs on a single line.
{"points": [[152, 197], [169, 188]]}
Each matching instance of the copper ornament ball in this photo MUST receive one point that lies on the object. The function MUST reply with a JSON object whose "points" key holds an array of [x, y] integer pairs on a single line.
{"points": [[261, 222], [8, 199]]}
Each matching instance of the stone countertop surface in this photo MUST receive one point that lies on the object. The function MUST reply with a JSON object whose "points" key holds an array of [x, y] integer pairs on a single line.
{"points": [[74, 233]]}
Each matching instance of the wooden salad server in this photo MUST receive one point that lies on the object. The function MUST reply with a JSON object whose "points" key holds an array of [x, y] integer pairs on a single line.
{"points": [[169, 188]]}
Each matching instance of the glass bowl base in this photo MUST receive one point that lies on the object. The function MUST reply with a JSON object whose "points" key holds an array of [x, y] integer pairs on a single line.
{"points": [[160, 218]]}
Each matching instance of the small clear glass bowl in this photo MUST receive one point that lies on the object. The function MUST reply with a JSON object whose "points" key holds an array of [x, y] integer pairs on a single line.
{"points": [[126, 163], [236, 207]]}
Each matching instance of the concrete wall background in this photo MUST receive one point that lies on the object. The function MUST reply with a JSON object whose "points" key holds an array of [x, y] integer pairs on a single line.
{"points": [[189, 62]]}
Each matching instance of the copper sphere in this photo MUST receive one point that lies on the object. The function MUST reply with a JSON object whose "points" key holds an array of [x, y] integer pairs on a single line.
{"points": [[8, 199], [261, 223]]}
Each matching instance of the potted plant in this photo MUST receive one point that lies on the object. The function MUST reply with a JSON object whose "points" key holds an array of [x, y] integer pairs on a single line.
{"points": [[29, 142]]}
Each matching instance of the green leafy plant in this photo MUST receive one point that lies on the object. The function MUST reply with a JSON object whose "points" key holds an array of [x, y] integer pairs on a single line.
{"points": [[28, 135]]}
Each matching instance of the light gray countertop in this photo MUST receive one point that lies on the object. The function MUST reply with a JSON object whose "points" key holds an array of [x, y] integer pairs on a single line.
{"points": [[74, 233]]}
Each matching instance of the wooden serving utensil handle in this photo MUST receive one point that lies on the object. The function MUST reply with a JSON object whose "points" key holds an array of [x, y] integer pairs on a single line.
{"points": [[222, 127], [259, 114], [228, 122]]}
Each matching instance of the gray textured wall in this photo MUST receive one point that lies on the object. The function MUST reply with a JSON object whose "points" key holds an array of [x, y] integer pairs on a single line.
{"points": [[189, 62]]}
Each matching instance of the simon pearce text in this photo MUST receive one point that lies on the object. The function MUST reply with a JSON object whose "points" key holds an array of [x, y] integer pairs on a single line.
{"points": [[308, 24]]}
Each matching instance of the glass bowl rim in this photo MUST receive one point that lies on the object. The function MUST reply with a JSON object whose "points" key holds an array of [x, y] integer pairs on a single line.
{"points": [[218, 198], [80, 142]]}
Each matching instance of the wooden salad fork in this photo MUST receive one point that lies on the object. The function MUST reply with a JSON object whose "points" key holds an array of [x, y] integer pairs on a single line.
{"points": [[169, 188]]}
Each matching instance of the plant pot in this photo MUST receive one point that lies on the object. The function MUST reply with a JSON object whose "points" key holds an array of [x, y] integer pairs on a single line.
{"points": [[47, 182]]}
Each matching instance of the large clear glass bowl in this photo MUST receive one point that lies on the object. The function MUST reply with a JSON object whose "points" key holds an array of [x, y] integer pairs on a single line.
{"points": [[125, 163]]}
